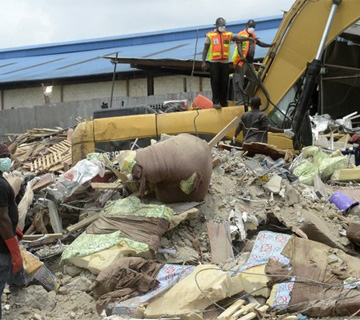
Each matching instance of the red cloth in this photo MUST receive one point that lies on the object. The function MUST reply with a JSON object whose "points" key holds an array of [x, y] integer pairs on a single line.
{"points": [[19, 234], [354, 138], [14, 249]]}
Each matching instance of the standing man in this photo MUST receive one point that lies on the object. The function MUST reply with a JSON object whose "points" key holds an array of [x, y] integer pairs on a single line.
{"points": [[10, 256], [243, 58], [217, 50], [255, 125]]}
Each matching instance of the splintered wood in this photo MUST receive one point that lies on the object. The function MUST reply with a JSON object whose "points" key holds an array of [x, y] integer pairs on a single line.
{"points": [[54, 161], [239, 311]]}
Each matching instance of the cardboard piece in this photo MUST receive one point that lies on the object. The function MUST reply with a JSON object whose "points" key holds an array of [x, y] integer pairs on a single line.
{"points": [[220, 242], [186, 297]]}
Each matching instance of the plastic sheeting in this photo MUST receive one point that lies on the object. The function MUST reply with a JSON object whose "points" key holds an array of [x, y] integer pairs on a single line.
{"points": [[315, 161]]}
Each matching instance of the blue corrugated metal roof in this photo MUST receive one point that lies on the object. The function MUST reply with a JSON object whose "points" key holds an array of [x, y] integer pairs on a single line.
{"points": [[84, 58]]}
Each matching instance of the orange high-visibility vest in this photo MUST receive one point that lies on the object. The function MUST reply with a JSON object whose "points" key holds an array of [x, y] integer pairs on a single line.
{"points": [[220, 44], [245, 45]]}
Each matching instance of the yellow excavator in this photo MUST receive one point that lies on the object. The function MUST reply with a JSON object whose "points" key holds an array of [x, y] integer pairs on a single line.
{"points": [[288, 78]]}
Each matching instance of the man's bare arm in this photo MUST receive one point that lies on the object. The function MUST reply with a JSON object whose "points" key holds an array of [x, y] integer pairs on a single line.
{"points": [[236, 37], [204, 55], [264, 45]]}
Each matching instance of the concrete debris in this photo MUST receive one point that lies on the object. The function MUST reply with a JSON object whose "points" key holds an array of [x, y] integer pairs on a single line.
{"points": [[253, 206]]}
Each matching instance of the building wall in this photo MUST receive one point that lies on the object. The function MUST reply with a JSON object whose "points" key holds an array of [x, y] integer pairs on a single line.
{"points": [[29, 97], [175, 84], [87, 91]]}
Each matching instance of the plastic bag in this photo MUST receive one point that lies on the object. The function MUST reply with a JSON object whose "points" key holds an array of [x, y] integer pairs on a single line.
{"points": [[74, 178]]}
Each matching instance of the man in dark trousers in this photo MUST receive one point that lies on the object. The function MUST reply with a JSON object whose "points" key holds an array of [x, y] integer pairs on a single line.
{"points": [[217, 51], [243, 58], [255, 125], [11, 270]]}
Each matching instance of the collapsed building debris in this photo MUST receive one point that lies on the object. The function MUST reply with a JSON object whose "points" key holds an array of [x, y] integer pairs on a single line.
{"points": [[128, 256]]}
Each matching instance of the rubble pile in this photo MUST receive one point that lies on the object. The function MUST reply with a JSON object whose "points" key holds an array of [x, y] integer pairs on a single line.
{"points": [[276, 236]]}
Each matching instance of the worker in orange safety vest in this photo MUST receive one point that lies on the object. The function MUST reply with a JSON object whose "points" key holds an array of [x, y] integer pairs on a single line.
{"points": [[217, 49], [243, 58]]}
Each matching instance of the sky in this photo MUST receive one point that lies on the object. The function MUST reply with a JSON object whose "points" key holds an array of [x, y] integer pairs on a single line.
{"points": [[34, 22]]}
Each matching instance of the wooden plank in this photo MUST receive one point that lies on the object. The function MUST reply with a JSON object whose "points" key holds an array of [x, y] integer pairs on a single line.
{"points": [[56, 167], [43, 182], [31, 237], [48, 161], [36, 164], [220, 242], [83, 223], [44, 163], [56, 148], [253, 315], [231, 310], [244, 310], [66, 158], [224, 131], [105, 185]]}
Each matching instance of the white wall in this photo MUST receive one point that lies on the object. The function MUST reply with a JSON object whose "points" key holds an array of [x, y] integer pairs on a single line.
{"points": [[29, 97], [88, 91]]}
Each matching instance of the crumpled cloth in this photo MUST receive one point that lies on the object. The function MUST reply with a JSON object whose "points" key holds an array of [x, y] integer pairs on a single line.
{"points": [[124, 279], [167, 163], [142, 229]]}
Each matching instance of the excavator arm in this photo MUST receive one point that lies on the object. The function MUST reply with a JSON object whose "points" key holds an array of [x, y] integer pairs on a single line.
{"points": [[297, 43]]}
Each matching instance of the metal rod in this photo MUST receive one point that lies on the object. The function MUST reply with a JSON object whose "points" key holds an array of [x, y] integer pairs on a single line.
{"points": [[327, 29], [113, 80]]}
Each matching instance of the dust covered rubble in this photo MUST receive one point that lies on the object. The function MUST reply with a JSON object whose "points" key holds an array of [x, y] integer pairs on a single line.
{"points": [[235, 184], [73, 300]]}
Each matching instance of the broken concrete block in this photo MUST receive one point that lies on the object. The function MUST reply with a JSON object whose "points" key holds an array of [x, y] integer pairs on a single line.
{"points": [[250, 281], [292, 196], [185, 296], [274, 184], [316, 229], [352, 174], [35, 297]]}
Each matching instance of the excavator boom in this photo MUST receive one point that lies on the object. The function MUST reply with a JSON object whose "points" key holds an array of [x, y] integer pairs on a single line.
{"points": [[297, 42]]}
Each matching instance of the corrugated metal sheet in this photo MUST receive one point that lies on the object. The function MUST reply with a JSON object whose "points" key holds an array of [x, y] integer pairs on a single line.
{"points": [[84, 58]]}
